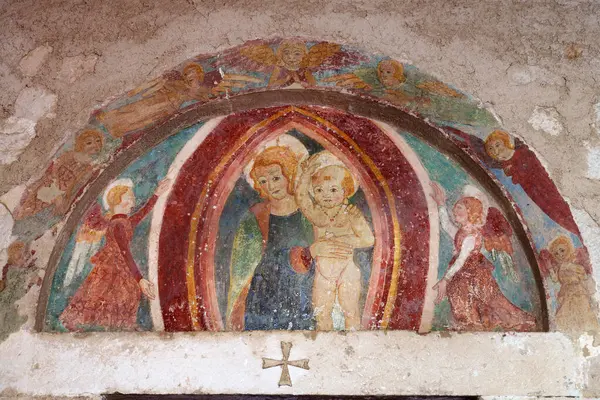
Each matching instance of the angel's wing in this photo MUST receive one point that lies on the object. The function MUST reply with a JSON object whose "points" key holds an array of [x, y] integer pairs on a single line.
{"points": [[439, 88], [261, 54], [87, 243], [319, 53], [497, 237], [547, 263], [497, 232], [582, 258]]}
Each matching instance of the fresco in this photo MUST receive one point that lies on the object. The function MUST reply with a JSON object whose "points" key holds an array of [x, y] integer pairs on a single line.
{"points": [[263, 65], [294, 218]]}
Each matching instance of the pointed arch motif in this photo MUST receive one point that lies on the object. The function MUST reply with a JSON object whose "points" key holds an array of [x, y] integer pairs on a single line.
{"points": [[250, 76]]}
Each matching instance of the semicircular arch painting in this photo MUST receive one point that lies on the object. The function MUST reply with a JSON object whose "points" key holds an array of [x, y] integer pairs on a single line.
{"points": [[295, 218], [291, 216]]}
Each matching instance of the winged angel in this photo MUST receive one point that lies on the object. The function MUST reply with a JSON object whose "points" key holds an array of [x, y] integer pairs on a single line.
{"points": [[390, 79], [291, 63], [476, 301], [163, 96]]}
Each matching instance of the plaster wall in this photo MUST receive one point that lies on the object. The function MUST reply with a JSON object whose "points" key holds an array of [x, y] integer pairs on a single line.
{"points": [[535, 64]]}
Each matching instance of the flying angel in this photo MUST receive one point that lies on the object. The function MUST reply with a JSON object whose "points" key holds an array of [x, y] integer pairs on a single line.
{"points": [[390, 78], [291, 63], [524, 169]]}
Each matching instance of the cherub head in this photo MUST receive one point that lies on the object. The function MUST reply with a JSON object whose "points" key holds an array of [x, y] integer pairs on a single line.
{"points": [[274, 173], [468, 211], [193, 74], [562, 249], [332, 185], [291, 53], [498, 146], [120, 199], [19, 255], [89, 142], [390, 73]]}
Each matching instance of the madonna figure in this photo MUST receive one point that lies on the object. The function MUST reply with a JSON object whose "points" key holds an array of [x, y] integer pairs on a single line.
{"points": [[271, 272]]}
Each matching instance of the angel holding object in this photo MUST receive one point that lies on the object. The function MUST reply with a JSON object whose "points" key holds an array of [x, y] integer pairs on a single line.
{"points": [[109, 297], [476, 301]]}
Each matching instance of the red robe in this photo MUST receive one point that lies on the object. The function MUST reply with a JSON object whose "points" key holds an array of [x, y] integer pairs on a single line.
{"points": [[110, 296], [525, 169], [476, 301]]}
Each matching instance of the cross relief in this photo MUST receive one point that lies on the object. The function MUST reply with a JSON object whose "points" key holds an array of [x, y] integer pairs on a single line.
{"points": [[285, 379]]}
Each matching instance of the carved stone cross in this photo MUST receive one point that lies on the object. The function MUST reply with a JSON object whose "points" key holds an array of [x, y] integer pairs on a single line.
{"points": [[285, 379]]}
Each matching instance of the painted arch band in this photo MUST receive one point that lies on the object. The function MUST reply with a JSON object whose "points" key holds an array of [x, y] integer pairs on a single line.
{"points": [[221, 255], [219, 227]]}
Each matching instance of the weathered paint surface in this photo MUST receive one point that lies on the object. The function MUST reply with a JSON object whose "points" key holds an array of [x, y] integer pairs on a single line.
{"points": [[294, 63], [234, 245]]}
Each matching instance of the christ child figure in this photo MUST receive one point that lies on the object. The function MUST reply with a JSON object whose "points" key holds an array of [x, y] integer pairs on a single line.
{"points": [[322, 194]]}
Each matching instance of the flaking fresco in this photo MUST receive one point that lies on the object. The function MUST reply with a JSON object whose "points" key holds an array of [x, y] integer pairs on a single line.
{"points": [[296, 63], [294, 218]]}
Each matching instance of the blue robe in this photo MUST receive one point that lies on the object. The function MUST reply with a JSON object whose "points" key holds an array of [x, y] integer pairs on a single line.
{"points": [[264, 285]]}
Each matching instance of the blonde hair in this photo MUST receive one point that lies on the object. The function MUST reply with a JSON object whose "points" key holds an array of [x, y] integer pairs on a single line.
{"points": [[474, 208], [562, 240], [502, 136], [278, 155], [82, 137], [196, 67], [347, 181], [115, 196], [398, 70]]}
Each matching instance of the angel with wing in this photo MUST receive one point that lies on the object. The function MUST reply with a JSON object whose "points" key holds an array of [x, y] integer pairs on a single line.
{"points": [[476, 301], [571, 268], [109, 297], [523, 167], [291, 64], [164, 95], [389, 78]]}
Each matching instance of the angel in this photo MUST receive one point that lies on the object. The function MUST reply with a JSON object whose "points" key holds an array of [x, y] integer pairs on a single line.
{"points": [[291, 64], [164, 95], [523, 167], [18, 255], [110, 295], [476, 301], [571, 268], [389, 78], [63, 179]]}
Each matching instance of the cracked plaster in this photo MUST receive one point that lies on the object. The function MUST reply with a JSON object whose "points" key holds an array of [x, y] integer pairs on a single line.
{"points": [[523, 61]]}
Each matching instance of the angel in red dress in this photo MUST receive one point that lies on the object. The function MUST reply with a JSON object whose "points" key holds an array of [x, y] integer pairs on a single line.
{"points": [[523, 167], [109, 297], [476, 300]]}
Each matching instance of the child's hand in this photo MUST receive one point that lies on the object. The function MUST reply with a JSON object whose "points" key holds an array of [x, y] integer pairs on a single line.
{"points": [[311, 164], [351, 211]]}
